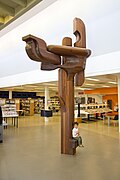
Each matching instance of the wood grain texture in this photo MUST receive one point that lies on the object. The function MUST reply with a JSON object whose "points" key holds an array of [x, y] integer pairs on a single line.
{"points": [[68, 51], [62, 79], [36, 49], [71, 62]]}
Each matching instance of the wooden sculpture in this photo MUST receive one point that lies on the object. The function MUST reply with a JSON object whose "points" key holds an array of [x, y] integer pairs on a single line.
{"points": [[71, 63]]}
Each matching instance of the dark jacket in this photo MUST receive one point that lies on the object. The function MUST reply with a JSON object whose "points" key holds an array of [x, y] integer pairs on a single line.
{"points": [[1, 115]]}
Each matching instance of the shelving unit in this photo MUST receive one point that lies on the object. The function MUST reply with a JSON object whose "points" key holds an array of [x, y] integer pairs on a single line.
{"points": [[54, 104], [27, 106], [38, 105]]}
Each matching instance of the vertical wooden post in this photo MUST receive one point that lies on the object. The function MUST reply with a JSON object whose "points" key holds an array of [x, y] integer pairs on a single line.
{"points": [[69, 112], [66, 92], [62, 91]]}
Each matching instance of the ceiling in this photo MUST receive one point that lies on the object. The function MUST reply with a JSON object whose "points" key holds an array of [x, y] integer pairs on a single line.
{"points": [[104, 81], [12, 9]]}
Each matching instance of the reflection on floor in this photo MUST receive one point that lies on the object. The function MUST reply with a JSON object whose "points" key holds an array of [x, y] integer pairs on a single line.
{"points": [[101, 128], [32, 152]]}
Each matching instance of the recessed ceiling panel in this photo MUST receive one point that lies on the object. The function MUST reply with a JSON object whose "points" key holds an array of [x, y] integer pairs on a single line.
{"points": [[12, 9]]}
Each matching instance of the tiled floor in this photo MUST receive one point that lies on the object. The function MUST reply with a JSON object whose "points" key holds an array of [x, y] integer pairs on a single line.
{"points": [[32, 152]]}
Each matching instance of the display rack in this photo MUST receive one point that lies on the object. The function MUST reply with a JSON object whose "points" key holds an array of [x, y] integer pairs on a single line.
{"points": [[92, 109], [9, 109], [9, 112]]}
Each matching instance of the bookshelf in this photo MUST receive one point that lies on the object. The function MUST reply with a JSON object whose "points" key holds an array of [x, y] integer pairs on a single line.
{"points": [[54, 104], [38, 105]]}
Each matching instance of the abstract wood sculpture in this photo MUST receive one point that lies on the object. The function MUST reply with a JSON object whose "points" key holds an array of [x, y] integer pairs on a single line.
{"points": [[71, 63]]}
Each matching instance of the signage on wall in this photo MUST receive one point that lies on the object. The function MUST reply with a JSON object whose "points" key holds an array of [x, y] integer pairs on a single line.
{"points": [[4, 94], [23, 94]]}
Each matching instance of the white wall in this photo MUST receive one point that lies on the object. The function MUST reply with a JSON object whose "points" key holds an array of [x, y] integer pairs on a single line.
{"points": [[30, 77], [53, 23], [103, 64]]}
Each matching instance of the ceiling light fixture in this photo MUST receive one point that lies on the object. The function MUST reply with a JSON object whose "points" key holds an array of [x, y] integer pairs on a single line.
{"points": [[105, 86]]}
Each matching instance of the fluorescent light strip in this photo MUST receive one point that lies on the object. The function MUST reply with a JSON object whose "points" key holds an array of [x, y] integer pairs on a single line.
{"points": [[88, 88], [105, 86], [89, 84], [112, 82], [78, 88], [92, 79]]}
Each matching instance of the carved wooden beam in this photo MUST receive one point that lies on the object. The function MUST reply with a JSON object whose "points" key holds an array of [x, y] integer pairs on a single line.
{"points": [[75, 57], [69, 51], [36, 49]]}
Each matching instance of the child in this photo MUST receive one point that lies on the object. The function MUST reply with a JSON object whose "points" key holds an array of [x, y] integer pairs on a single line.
{"points": [[76, 134]]}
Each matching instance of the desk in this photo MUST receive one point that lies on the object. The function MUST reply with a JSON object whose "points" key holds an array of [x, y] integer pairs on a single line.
{"points": [[20, 112], [14, 120]]}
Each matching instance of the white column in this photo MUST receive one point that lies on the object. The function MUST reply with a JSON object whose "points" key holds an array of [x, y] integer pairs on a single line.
{"points": [[86, 101], [46, 97], [119, 100], [46, 100], [10, 94], [86, 98]]}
